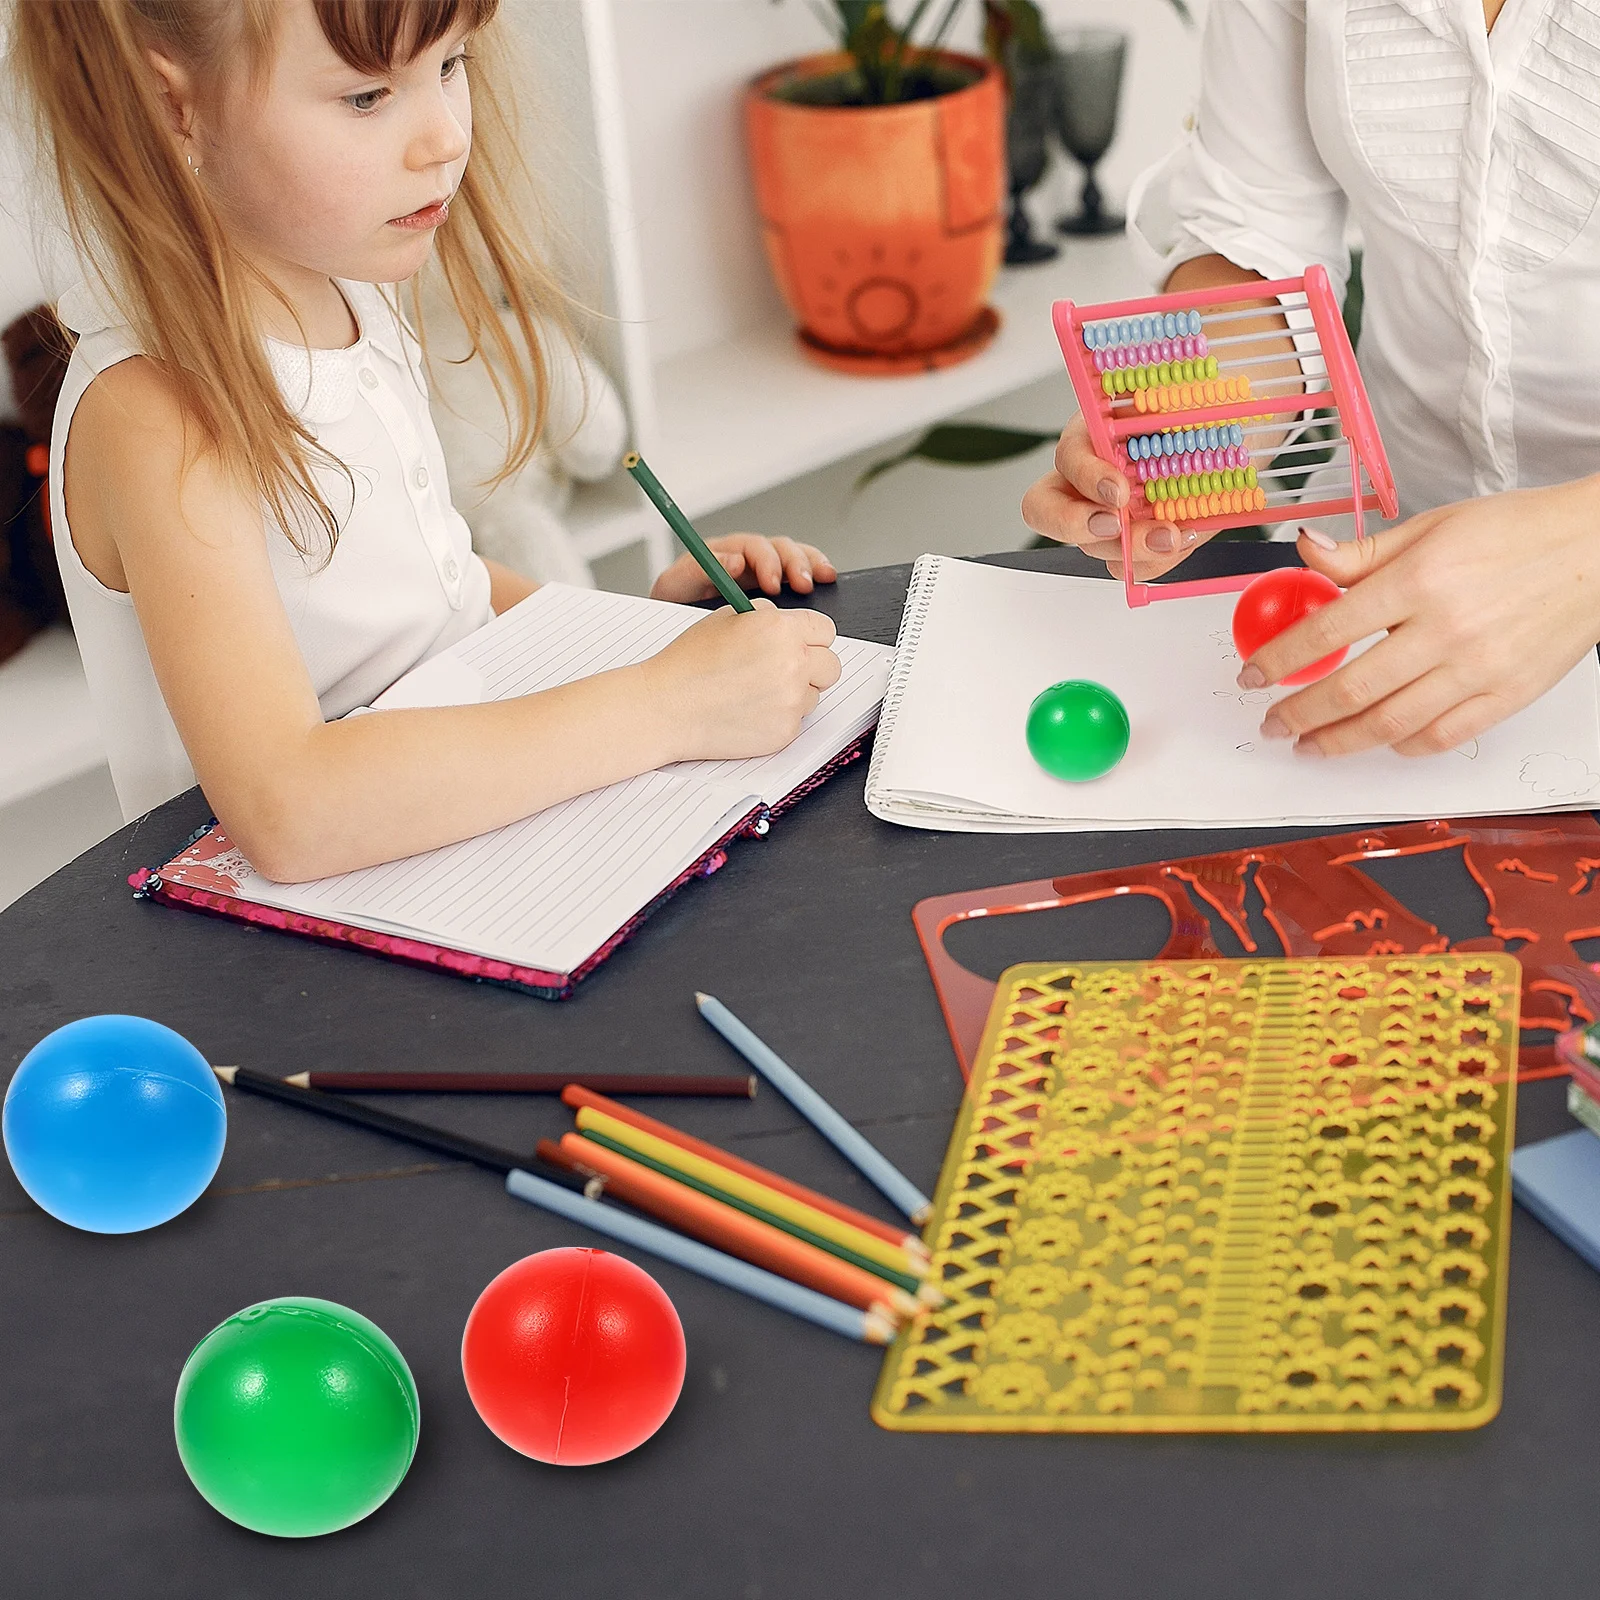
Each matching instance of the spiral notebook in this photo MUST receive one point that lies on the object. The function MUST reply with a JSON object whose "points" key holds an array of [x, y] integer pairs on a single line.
{"points": [[977, 643], [540, 903]]}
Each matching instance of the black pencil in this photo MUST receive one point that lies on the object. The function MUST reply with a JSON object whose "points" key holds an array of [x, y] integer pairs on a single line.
{"points": [[439, 1140], [741, 1086]]}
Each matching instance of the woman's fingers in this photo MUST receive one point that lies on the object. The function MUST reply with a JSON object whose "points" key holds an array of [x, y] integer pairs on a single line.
{"points": [[1078, 465], [1458, 726], [1052, 507], [1381, 590], [1354, 690], [1393, 720]]}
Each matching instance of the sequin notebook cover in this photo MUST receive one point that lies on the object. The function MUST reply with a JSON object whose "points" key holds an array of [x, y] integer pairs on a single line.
{"points": [[1223, 1196]]}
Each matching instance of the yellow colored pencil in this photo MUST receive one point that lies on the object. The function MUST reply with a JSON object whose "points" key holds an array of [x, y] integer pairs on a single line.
{"points": [[779, 1204]]}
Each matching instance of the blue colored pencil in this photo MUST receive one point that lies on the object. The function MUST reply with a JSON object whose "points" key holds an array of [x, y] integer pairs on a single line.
{"points": [[851, 1145], [866, 1326]]}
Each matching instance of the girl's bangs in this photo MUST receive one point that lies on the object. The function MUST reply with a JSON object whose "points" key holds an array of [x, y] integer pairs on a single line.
{"points": [[378, 35]]}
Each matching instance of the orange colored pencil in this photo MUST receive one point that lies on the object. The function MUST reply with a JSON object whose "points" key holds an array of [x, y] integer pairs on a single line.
{"points": [[709, 1220], [574, 1095]]}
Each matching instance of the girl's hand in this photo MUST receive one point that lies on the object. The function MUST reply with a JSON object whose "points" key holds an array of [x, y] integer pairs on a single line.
{"points": [[1487, 604], [752, 562], [1078, 502], [738, 685]]}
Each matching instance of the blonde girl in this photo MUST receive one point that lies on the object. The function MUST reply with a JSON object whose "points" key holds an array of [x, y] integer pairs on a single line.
{"points": [[249, 501]]}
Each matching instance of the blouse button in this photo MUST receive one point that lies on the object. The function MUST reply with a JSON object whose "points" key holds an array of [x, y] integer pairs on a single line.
{"points": [[369, 378], [420, 477], [451, 570]]}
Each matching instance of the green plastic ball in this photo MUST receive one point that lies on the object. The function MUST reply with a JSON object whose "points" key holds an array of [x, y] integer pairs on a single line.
{"points": [[1077, 730], [296, 1417]]}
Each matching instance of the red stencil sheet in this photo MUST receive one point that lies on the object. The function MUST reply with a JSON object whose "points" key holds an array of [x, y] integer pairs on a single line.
{"points": [[1534, 871]]}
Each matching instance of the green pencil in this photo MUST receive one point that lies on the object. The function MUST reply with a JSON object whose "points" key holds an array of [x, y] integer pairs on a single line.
{"points": [[680, 525]]}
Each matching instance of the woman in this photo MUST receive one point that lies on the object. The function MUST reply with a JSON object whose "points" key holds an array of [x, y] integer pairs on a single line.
{"points": [[1462, 137]]}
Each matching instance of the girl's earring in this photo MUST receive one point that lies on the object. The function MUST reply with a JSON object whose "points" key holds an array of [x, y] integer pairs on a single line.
{"points": [[194, 166]]}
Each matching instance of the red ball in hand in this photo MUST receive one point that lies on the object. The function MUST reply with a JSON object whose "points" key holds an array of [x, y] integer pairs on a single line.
{"points": [[573, 1356], [1278, 600]]}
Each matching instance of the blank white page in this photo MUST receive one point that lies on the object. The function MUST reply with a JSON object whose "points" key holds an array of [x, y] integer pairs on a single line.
{"points": [[952, 751]]}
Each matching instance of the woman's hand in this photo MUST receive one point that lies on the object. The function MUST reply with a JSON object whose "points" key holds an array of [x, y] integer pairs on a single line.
{"points": [[738, 684], [1077, 504], [752, 562], [1487, 603]]}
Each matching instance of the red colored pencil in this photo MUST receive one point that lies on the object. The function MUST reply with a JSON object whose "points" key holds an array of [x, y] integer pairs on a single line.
{"points": [[714, 1223], [576, 1096], [738, 1085]]}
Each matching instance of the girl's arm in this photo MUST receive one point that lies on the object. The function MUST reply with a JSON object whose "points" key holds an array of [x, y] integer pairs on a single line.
{"points": [[304, 798], [506, 587]]}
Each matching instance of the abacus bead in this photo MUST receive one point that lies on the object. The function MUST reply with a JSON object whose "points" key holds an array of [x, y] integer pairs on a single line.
{"points": [[1107, 385], [1249, 477]]}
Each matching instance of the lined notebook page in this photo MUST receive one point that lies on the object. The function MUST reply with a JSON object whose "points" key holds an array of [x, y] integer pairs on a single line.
{"points": [[559, 634], [980, 642], [545, 892], [550, 890]]}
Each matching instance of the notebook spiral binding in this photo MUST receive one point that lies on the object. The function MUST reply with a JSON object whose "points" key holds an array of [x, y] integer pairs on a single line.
{"points": [[919, 596]]}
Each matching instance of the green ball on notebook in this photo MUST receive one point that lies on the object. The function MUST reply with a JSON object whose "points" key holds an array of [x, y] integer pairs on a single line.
{"points": [[1077, 730]]}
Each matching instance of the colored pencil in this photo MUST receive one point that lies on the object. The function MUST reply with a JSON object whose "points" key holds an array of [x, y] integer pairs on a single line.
{"points": [[910, 1282], [440, 1140], [576, 1096], [865, 1157], [728, 1184], [853, 1323], [569, 1195], [680, 525], [741, 1086], [728, 1229]]}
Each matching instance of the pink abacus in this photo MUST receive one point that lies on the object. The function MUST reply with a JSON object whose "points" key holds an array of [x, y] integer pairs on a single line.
{"points": [[1196, 435]]}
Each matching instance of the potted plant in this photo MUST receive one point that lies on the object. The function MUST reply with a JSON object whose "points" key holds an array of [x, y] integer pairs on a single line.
{"points": [[880, 174]]}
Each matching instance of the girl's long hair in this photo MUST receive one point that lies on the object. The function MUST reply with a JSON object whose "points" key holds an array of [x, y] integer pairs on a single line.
{"points": [[143, 224]]}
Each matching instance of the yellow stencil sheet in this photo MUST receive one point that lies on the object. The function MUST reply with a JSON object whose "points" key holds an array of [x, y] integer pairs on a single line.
{"points": [[1195, 1196]]}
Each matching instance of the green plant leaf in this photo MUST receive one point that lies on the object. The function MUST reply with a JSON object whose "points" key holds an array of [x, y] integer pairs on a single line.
{"points": [[962, 444]]}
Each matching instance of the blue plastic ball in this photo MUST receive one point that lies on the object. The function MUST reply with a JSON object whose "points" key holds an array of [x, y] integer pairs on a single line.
{"points": [[114, 1124]]}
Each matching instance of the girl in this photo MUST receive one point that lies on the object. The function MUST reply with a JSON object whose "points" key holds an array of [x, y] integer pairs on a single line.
{"points": [[249, 500], [1464, 138]]}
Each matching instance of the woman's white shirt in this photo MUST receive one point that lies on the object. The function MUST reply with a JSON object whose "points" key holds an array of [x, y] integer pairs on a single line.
{"points": [[1470, 163], [403, 583]]}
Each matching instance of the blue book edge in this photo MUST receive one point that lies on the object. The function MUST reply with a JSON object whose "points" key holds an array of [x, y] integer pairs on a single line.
{"points": [[1558, 1180]]}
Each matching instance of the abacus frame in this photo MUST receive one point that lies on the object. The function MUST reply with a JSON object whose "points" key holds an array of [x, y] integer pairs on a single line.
{"points": [[1111, 427]]}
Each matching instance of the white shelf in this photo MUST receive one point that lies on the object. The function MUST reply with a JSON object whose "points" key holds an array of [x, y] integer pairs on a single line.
{"points": [[48, 723], [744, 415]]}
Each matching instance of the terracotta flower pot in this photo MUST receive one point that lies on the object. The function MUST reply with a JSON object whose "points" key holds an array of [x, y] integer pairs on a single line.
{"points": [[883, 223]]}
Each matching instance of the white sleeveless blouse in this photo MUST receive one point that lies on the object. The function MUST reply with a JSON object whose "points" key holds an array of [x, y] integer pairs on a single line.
{"points": [[403, 583]]}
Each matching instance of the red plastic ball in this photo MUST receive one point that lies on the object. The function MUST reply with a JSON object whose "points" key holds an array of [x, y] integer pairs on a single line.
{"points": [[573, 1356], [1278, 600]]}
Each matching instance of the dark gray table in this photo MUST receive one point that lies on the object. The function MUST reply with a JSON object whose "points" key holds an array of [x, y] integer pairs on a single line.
{"points": [[769, 1482]]}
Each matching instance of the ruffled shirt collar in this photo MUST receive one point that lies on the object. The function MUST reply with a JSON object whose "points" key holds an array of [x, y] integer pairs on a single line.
{"points": [[319, 386]]}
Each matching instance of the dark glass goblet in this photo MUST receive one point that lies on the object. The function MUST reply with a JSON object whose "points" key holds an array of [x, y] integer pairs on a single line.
{"points": [[1029, 120], [1088, 68]]}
